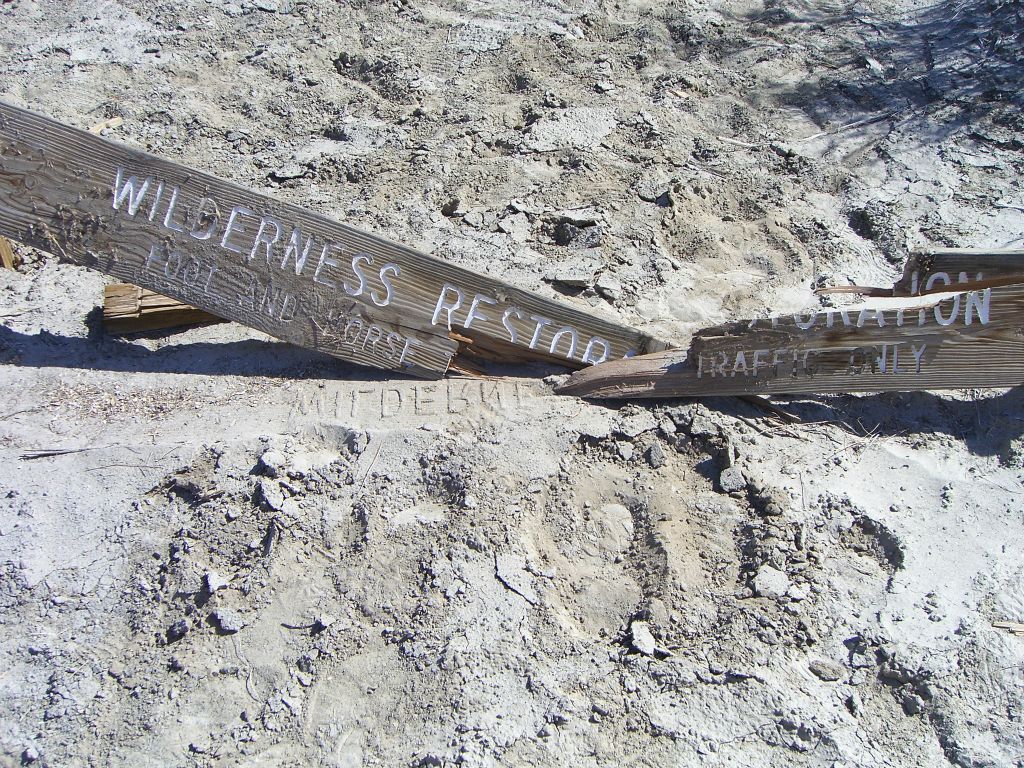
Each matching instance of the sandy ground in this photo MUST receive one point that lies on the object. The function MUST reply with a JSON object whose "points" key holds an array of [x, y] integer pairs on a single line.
{"points": [[219, 550]]}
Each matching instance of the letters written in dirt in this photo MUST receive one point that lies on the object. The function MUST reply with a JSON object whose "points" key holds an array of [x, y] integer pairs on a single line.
{"points": [[274, 266]]}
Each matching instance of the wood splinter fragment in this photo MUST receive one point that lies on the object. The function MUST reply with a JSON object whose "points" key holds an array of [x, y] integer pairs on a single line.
{"points": [[7, 256], [131, 309]]}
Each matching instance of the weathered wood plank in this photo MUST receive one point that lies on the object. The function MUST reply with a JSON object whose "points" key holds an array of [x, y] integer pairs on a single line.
{"points": [[968, 339], [7, 257], [271, 265], [943, 269], [131, 309], [939, 270]]}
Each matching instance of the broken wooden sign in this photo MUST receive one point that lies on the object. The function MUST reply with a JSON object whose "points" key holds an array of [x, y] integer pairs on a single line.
{"points": [[965, 328], [275, 266]]}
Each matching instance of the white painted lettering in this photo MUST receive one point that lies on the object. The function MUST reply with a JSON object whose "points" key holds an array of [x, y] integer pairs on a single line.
{"points": [[392, 269], [981, 306], [444, 306], [865, 313], [358, 259], [206, 212], [297, 251], [934, 278], [474, 313], [262, 239], [757, 360], [802, 324], [542, 322], [739, 364], [513, 335], [230, 229], [156, 200], [588, 354], [918, 353], [563, 331], [953, 312], [131, 190], [326, 261], [169, 222]]}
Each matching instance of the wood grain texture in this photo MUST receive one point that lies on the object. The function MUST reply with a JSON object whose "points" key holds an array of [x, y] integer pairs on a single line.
{"points": [[270, 265], [927, 271], [938, 270], [982, 346], [7, 258], [131, 309]]}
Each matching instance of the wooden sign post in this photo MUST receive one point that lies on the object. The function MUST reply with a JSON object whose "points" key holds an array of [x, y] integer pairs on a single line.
{"points": [[274, 266], [965, 330]]}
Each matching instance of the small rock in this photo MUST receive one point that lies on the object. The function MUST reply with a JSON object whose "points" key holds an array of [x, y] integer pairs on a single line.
{"points": [[641, 638], [269, 493], [653, 191], [227, 621], [177, 630], [517, 226], [624, 449], [323, 621], [215, 582], [771, 582], [731, 480], [633, 422], [29, 756], [553, 101], [604, 86], [579, 274], [452, 208], [655, 456], [288, 171], [356, 441], [474, 218], [913, 704], [609, 286], [828, 671], [578, 237], [702, 426], [272, 463]]}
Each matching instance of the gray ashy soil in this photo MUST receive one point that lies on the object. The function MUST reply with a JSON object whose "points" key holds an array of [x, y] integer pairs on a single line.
{"points": [[259, 556]]}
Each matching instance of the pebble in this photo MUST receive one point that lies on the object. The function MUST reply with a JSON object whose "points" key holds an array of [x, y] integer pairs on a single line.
{"points": [[913, 704], [323, 621], [655, 456], [227, 621], [177, 630], [731, 480], [215, 582], [288, 171], [828, 671], [633, 422], [272, 463], [516, 226], [269, 493], [771, 582], [609, 286], [641, 638], [625, 450], [356, 441]]}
